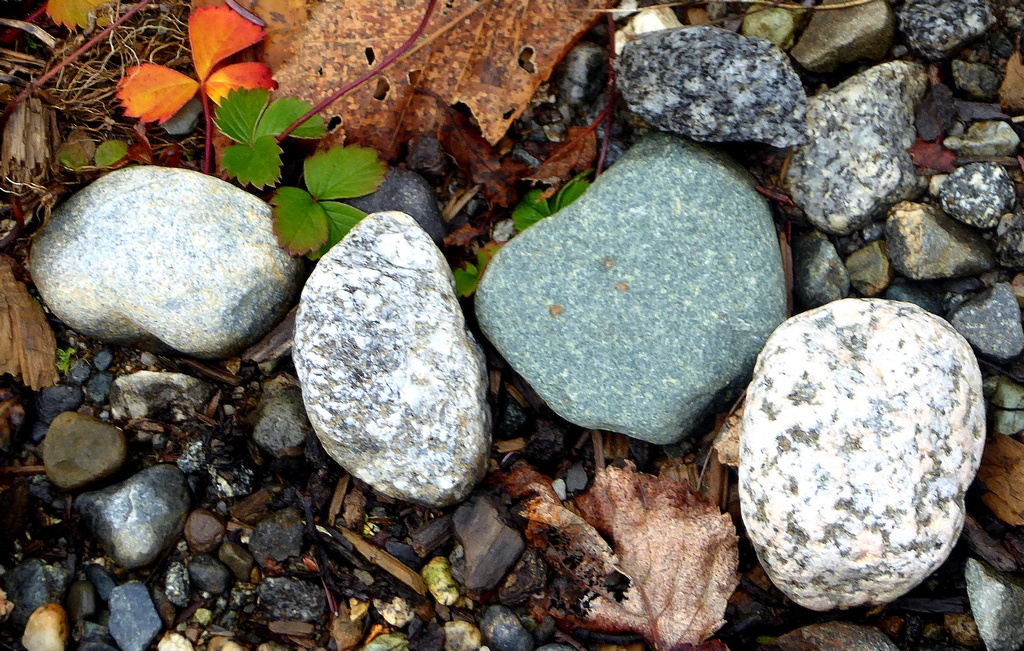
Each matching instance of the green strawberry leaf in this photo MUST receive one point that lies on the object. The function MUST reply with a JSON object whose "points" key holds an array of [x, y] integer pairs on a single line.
{"points": [[300, 223], [340, 220], [283, 112], [530, 210], [466, 280], [575, 187], [240, 112], [344, 172], [259, 164], [110, 152]]}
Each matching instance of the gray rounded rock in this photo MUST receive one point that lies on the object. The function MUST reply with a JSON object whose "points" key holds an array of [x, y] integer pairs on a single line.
{"points": [[134, 622], [171, 397], [855, 164], [582, 74], [711, 84], [831, 636], [394, 384], [863, 427], [34, 583], [841, 36], [819, 275], [641, 307], [504, 631], [978, 194], [80, 450], [277, 537], [291, 599], [165, 257], [138, 518], [281, 422], [997, 600], [406, 192], [937, 28], [209, 574], [991, 323]]}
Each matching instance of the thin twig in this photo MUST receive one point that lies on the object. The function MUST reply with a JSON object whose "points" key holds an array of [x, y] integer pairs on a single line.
{"points": [[611, 97], [370, 75], [38, 83], [209, 131]]}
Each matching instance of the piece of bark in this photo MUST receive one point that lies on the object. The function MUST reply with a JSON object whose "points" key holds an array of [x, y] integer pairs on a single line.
{"points": [[277, 343], [27, 345], [988, 547], [431, 535], [29, 144], [1002, 471]]}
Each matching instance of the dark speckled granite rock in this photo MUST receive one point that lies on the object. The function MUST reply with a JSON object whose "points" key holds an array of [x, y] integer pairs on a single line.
{"points": [[167, 258], [640, 308]]}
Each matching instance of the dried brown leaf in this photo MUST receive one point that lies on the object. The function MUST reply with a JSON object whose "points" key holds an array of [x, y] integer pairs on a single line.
{"points": [[576, 154], [27, 345], [489, 55], [1002, 470], [1011, 92], [932, 155], [677, 551], [474, 154]]}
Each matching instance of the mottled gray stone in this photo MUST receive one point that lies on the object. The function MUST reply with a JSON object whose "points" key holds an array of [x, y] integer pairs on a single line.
{"points": [[160, 256], [711, 84], [582, 74], [855, 164], [924, 244], [281, 422], [937, 28], [134, 622], [997, 601], [394, 384], [138, 518], [406, 192], [977, 81], [862, 429], [504, 631], [841, 36], [293, 600], [643, 330], [832, 636], [909, 292], [177, 584], [988, 138], [32, 584], [978, 194], [1010, 240], [869, 269], [277, 537], [819, 275], [208, 574], [173, 397], [991, 323]]}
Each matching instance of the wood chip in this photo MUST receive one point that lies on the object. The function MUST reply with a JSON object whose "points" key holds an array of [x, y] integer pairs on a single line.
{"points": [[336, 500], [1002, 470], [30, 142], [276, 344], [385, 561], [510, 445], [291, 628], [27, 346]]}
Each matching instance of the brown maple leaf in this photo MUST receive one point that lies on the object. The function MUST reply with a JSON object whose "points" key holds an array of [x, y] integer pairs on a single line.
{"points": [[27, 345], [490, 55], [676, 552]]}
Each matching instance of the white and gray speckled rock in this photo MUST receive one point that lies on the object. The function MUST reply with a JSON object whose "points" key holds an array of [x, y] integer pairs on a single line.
{"points": [[711, 84], [987, 138], [855, 164], [394, 384], [165, 257], [173, 397], [863, 426], [925, 244], [997, 600], [937, 28], [978, 194]]}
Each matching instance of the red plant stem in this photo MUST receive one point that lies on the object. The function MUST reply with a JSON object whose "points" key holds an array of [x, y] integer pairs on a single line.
{"points": [[35, 85], [209, 131], [370, 75], [36, 14], [610, 109]]}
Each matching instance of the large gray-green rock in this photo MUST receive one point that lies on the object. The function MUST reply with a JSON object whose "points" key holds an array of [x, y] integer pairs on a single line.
{"points": [[165, 257], [641, 307]]}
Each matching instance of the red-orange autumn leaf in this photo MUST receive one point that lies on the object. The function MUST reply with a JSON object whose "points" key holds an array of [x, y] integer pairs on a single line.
{"points": [[155, 93]]}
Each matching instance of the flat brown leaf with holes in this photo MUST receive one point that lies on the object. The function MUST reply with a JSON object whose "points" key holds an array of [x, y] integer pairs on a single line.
{"points": [[489, 55], [474, 154], [27, 345], [676, 552]]}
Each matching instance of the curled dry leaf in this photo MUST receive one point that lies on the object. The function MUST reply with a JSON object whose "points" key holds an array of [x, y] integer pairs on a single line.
{"points": [[27, 345], [490, 56], [677, 553]]}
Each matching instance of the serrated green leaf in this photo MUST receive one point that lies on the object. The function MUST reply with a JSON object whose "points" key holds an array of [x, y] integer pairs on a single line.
{"points": [[282, 112], [525, 216], [575, 187], [340, 220], [466, 280], [344, 172], [300, 223], [110, 153], [239, 113], [258, 164]]}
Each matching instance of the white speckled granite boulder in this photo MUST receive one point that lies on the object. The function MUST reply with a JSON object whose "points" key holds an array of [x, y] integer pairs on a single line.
{"points": [[394, 385], [863, 426], [167, 258]]}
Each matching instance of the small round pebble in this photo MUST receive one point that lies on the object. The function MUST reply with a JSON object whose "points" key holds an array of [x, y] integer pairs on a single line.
{"points": [[504, 631], [172, 641], [134, 622], [862, 429], [204, 531], [81, 601], [978, 194], [47, 629], [209, 574], [460, 635], [103, 359], [238, 560], [277, 536], [81, 450]]}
